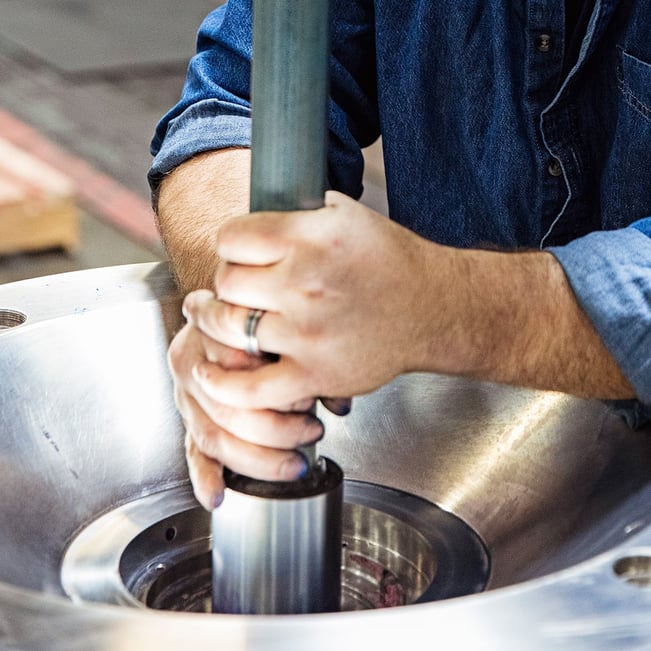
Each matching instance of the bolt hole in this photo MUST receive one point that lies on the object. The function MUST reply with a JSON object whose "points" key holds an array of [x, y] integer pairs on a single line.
{"points": [[11, 318], [634, 570], [170, 534]]}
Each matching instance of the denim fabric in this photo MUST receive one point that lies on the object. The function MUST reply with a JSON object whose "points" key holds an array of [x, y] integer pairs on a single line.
{"points": [[486, 139]]}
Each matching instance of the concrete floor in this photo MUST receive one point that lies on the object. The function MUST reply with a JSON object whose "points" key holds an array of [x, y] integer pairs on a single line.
{"points": [[101, 107]]}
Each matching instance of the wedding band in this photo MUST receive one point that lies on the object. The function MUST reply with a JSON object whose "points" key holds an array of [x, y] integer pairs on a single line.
{"points": [[250, 329]]}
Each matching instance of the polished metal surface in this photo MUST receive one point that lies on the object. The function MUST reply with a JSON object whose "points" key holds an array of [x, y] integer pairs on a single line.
{"points": [[156, 552], [557, 488], [279, 552], [289, 82]]}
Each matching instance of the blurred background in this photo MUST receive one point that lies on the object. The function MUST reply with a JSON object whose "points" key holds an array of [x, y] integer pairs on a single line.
{"points": [[82, 86]]}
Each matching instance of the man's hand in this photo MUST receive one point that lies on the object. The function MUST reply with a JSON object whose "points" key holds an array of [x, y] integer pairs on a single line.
{"points": [[257, 443], [340, 288], [353, 299]]}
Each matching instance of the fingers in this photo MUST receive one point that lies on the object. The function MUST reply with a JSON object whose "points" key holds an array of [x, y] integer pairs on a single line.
{"points": [[256, 286], [265, 238], [255, 239], [338, 406], [205, 476], [284, 430], [225, 324], [210, 447], [281, 383], [258, 444]]}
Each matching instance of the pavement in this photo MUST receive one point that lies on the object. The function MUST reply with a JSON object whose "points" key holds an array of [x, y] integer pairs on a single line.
{"points": [[82, 85]]}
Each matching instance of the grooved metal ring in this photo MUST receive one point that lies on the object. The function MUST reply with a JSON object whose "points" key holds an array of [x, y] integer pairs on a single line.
{"points": [[250, 328]]}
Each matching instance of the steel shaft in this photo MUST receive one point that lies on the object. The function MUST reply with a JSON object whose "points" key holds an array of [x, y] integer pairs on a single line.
{"points": [[277, 546], [289, 89]]}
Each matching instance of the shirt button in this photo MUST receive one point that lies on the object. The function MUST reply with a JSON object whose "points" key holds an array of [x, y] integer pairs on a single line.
{"points": [[554, 167], [543, 42]]}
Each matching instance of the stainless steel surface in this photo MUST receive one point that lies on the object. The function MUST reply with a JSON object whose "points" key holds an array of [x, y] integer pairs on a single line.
{"points": [[557, 488], [156, 551], [279, 553]]}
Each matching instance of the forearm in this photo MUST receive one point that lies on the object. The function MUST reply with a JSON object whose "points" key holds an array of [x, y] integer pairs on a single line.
{"points": [[194, 200], [513, 318]]}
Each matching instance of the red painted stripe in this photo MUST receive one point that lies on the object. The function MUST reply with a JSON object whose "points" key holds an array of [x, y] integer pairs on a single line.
{"points": [[98, 193]]}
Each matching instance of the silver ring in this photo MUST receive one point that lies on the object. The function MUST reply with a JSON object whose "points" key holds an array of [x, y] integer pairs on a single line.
{"points": [[250, 329]]}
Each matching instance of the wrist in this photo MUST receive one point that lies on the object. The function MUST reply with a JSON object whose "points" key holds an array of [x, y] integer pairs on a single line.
{"points": [[482, 310], [513, 318]]}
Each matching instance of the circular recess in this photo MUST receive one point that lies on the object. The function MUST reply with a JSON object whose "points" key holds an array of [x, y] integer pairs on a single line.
{"points": [[398, 549], [11, 318], [634, 570]]}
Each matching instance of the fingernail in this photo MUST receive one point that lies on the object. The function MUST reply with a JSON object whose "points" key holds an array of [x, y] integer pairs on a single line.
{"points": [[345, 408], [315, 426], [342, 407], [294, 467], [217, 499]]}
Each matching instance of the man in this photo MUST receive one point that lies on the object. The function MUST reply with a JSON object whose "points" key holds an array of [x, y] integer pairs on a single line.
{"points": [[517, 133]]}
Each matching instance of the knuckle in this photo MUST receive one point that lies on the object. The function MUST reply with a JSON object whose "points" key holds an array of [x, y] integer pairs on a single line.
{"points": [[180, 399], [225, 279], [221, 414], [207, 439], [220, 320], [190, 447], [174, 357], [254, 392], [228, 317], [177, 353]]}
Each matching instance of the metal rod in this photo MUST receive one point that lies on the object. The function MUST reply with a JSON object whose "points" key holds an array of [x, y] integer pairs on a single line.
{"points": [[277, 546], [289, 89]]}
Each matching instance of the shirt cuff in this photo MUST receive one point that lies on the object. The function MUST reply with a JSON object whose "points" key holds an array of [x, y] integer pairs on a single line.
{"points": [[205, 126], [610, 274]]}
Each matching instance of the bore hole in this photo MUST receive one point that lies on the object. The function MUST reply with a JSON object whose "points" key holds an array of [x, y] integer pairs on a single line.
{"points": [[398, 549], [11, 318], [635, 570]]}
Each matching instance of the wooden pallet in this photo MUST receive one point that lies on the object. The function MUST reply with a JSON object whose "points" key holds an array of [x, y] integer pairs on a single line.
{"points": [[37, 204]]}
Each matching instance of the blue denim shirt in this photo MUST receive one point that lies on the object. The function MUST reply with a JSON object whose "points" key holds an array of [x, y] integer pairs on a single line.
{"points": [[489, 135]]}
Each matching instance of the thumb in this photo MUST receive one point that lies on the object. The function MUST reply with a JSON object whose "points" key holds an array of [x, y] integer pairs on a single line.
{"points": [[257, 239]]}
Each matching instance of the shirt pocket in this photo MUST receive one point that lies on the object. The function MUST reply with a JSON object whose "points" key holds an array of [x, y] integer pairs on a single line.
{"points": [[625, 174], [634, 78]]}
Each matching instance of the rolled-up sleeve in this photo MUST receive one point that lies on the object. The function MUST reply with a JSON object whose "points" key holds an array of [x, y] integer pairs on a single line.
{"points": [[610, 274], [214, 109]]}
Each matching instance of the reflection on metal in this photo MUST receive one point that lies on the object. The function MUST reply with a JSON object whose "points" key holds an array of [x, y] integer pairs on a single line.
{"points": [[289, 98], [277, 546], [400, 549], [155, 551], [529, 420], [88, 424], [277, 550]]}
